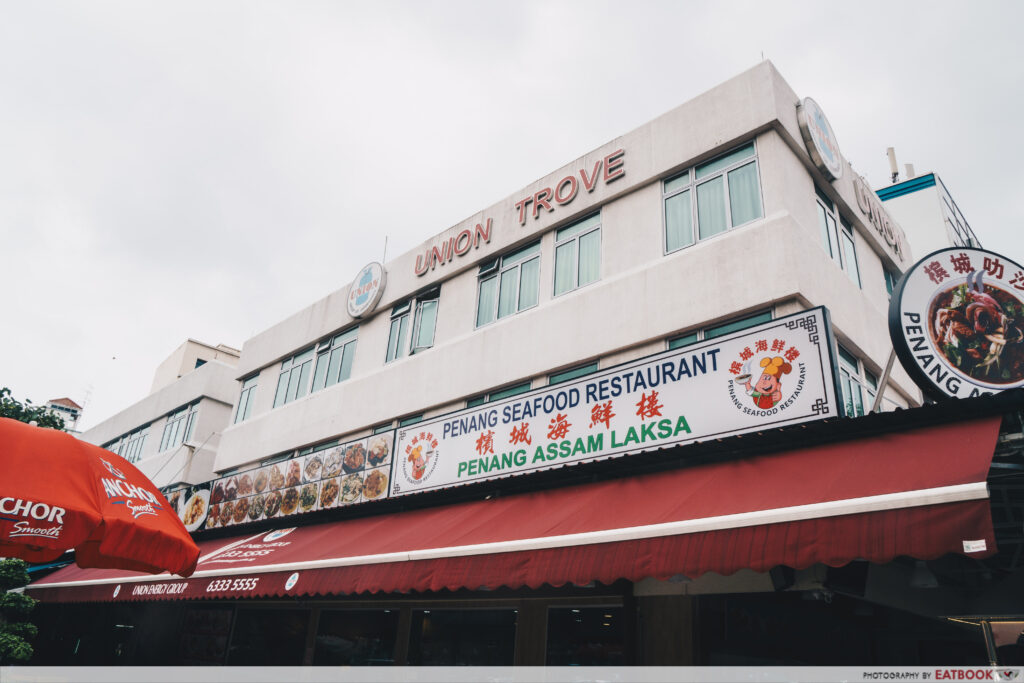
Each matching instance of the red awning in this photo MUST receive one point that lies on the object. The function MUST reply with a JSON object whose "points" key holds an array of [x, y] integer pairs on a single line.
{"points": [[919, 493]]}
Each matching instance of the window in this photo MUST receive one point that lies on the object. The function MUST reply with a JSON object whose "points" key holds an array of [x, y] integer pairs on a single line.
{"points": [[356, 637], [130, 445], [293, 382], [508, 284], [513, 390], [586, 636], [837, 237], [859, 386], [319, 447], [578, 254], [381, 429], [572, 373], [890, 281], [420, 314], [245, 399], [728, 194], [411, 420], [179, 427], [720, 330], [473, 637], [334, 359]]}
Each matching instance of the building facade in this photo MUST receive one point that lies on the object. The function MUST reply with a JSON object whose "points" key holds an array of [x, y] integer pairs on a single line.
{"points": [[809, 543]]}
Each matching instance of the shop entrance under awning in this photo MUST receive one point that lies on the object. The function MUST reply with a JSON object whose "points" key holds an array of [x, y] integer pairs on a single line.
{"points": [[919, 493]]}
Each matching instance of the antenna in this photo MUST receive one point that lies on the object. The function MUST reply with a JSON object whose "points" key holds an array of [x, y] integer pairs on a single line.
{"points": [[891, 152], [384, 258]]}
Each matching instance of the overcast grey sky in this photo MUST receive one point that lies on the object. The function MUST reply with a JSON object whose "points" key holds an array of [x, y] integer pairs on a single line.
{"points": [[205, 169]]}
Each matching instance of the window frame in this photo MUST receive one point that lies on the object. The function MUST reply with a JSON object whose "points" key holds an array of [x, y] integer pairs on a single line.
{"points": [[575, 238], [295, 363], [836, 228], [344, 344], [245, 397], [693, 182], [853, 373], [495, 269], [721, 329], [411, 308], [575, 372], [499, 394], [187, 415]]}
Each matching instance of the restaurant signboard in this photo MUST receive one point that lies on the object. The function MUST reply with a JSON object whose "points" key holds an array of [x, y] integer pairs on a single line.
{"points": [[771, 375], [956, 319]]}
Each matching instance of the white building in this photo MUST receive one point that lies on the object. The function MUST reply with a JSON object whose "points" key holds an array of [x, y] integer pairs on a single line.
{"points": [[709, 217], [67, 409], [173, 433]]}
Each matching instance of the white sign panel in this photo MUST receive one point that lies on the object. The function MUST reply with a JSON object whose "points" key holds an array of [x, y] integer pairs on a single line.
{"points": [[775, 374], [956, 320]]}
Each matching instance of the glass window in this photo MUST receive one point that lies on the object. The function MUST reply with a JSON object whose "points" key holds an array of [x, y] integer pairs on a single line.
{"points": [[838, 242], [412, 325], [380, 429], [293, 381], [178, 428], [728, 194], [509, 284], [684, 340], [586, 636], [245, 400], [513, 390], [890, 281], [334, 359], [269, 637], [734, 325], [356, 637], [850, 264], [578, 254], [852, 384], [572, 373], [129, 446], [463, 637], [411, 420]]}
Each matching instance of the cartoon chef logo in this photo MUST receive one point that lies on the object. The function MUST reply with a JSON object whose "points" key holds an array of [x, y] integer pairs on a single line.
{"points": [[768, 378], [420, 457], [767, 391]]}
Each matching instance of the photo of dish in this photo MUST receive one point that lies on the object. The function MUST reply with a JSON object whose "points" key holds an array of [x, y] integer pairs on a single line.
{"points": [[276, 478], [273, 504], [294, 477], [241, 510], [355, 458], [244, 485], [195, 509], [230, 489], [256, 504], [375, 485], [332, 463], [312, 469], [978, 328], [227, 511], [218, 493], [289, 501], [259, 484], [213, 517], [328, 493], [351, 487], [174, 501], [379, 451], [308, 496]]}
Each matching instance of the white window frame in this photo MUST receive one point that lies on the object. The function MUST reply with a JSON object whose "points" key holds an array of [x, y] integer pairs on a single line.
{"points": [[496, 270], [283, 395], [179, 427], [862, 383], [576, 237], [245, 398], [837, 228], [344, 345], [691, 184], [399, 348]]}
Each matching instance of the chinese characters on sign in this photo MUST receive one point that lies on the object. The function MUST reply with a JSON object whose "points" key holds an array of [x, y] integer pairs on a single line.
{"points": [[775, 374]]}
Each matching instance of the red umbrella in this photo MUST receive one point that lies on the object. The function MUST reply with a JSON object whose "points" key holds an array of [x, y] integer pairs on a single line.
{"points": [[59, 493]]}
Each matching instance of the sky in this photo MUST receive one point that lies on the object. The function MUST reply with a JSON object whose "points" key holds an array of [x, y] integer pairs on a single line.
{"points": [[174, 170]]}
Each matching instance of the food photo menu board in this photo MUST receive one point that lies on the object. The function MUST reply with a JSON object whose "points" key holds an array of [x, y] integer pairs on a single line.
{"points": [[351, 473]]}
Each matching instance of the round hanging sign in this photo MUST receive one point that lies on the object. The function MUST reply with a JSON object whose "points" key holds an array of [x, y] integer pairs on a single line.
{"points": [[819, 139], [366, 290], [956, 319]]}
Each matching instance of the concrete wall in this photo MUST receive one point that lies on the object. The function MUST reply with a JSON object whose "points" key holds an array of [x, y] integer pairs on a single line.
{"points": [[184, 358], [643, 296]]}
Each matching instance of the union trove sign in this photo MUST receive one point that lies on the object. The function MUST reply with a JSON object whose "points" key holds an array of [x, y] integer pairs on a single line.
{"points": [[956, 319], [772, 375]]}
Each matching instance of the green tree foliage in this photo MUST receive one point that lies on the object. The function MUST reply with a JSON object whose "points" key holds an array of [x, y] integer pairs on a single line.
{"points": [[15, 632], [26, 412]]}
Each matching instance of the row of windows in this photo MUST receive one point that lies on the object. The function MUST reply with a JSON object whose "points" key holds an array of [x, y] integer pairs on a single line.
{"points": [[179, 427], [130, 445], [837, 237]]}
